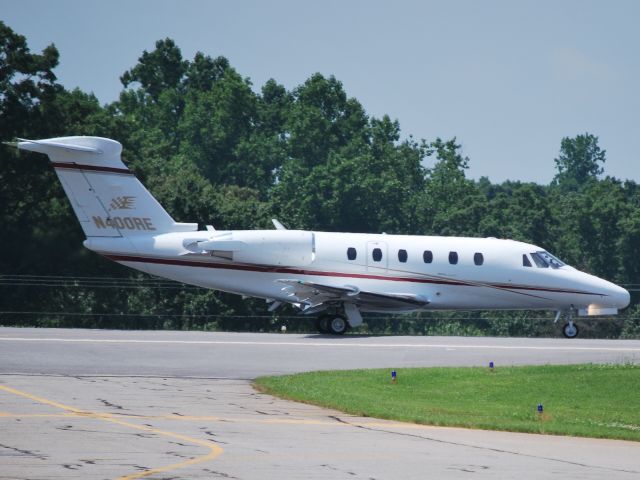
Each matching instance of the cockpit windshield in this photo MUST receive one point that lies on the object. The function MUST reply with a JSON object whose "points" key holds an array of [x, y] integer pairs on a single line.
{"points": [[544, 259]]}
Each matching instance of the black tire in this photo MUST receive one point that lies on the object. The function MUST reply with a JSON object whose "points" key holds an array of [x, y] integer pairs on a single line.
{"points": [[338, 325], [570, 331], [322, 323]]}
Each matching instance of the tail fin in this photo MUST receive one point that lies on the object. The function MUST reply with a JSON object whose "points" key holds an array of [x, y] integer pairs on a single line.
{"points": [[107, 198]]}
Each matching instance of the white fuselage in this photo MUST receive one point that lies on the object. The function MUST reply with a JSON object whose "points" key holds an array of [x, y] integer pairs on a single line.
{"points": [[251, 263], [341, 273]]}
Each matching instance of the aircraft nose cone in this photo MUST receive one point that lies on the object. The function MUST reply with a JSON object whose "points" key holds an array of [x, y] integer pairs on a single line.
{"points": [[621, 297]]}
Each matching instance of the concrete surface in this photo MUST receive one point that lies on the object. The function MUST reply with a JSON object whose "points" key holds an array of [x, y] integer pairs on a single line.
{"points": [[248, 355], [112, 404]]}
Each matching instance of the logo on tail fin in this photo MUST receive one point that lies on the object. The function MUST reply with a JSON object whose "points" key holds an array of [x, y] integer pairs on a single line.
{"points": [[122, 203]]}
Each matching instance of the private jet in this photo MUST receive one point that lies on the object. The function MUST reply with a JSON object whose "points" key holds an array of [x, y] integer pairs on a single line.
{"points": [[333, 275]]}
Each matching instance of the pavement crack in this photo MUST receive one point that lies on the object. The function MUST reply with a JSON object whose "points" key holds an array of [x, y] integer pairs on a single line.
{"points": [[469, 468], [336, 469], [27, 453], [338, 419], [264, 413], [220, 474], [176, 454], [111, 405], [211, 434]]}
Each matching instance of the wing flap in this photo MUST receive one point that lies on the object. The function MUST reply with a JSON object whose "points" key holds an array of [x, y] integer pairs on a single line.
{"points": [[315, 295]]}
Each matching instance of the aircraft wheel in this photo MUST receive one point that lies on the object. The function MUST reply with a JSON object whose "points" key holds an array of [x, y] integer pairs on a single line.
{"points": [[338, 325], [322, 323], [570, 330]]}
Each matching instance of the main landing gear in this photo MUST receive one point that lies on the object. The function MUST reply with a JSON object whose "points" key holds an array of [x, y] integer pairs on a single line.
{"points": [[332, 323], [570, 329]]}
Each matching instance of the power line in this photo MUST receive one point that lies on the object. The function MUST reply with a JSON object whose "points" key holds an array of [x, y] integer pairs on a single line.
{"points": [[279, 317], [93, 314]]}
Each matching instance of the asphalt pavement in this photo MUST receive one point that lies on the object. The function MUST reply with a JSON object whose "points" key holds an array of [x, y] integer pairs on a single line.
{"points": [[130, 404]]}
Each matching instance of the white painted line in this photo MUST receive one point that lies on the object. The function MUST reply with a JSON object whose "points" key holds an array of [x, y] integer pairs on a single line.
{"points": [[320, 344]]}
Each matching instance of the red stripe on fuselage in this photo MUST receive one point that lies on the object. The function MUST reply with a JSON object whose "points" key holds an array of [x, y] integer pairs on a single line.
{"points": [[296, 271], [92, 168]]}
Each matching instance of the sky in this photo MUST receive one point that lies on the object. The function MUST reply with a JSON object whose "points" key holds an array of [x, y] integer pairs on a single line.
{"points": [[508, 79]]}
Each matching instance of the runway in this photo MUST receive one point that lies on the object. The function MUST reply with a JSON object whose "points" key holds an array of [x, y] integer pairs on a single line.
{"points": [[113, 404]]}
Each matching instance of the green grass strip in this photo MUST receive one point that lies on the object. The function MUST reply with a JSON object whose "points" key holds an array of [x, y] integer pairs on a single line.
{"points": [[601, 401]]}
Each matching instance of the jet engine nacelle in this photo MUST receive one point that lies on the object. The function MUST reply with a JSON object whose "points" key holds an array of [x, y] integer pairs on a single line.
{"points": [[277, 247]]}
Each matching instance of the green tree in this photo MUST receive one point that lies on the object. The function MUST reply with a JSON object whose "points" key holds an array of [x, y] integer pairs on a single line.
{"points": [[322, 120], [157, 71], [370, 184], [519, 211], [26, 80], [452, 204], [628, 247], [215, 126], [580, 161]]}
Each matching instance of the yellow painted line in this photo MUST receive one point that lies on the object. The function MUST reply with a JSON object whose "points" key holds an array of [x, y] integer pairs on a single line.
{"points": [[41, 400], [112, 417], [214, 449], [252, 420], [350, 422], [36, 415]]}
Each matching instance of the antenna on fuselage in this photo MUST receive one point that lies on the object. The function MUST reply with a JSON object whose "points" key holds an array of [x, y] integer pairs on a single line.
{"points": [[278, 225]]}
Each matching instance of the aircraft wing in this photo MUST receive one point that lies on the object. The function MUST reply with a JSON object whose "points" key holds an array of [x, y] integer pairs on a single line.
{"points": [[315, 297]]}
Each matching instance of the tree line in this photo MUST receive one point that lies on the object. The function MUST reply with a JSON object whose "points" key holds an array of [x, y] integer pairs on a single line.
{"points": [[214, 149]]}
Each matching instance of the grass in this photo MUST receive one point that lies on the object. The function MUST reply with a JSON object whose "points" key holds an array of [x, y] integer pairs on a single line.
{"points": [[601, 401]]}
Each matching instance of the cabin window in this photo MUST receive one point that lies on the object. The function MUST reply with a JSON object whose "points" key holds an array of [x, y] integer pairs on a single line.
{"points": [[402, 255], [525, 261], [351, 253], [453, 258], [427, 256], [376, 254], [478, 258]]}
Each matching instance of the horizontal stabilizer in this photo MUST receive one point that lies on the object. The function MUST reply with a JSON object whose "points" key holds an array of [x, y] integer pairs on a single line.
{"points": [[43, 146]]}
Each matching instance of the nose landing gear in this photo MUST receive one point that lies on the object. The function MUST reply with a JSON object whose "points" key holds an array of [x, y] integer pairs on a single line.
{"points": [[570, 329]]}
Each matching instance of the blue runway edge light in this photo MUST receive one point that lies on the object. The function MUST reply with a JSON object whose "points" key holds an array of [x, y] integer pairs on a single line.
{"points": [[394, 376], [540, 408]]}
